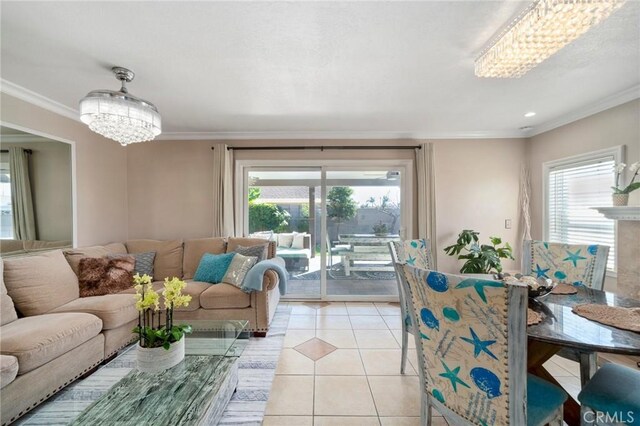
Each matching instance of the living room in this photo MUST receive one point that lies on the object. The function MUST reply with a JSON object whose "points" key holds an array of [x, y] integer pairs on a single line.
{"points": [[332, 135]]}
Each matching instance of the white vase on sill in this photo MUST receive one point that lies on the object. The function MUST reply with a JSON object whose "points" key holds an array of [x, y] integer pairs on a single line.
{"points": [[155, 360]]}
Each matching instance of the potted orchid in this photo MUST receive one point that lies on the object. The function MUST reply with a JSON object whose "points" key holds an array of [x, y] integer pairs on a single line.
{"points": [[621, 194], [160, 341]]}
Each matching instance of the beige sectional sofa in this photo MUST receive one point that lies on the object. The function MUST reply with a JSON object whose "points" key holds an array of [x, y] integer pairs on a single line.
{"points": [[49, 336]]}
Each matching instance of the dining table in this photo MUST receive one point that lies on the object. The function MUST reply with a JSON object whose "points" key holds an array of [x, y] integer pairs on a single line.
{"points": [[563, 332]]}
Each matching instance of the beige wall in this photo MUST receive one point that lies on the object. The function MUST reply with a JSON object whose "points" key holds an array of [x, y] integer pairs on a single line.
{"points": [[170, 184], [613, 127], [50, 172], [101, 169]]}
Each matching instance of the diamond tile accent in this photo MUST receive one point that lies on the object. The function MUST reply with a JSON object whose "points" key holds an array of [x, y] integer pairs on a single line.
{"points": [[315, 348]]}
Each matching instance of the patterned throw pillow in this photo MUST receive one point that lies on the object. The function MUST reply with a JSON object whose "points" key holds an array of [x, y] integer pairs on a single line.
{"points": [[101, 275], [144, 262], [213, 267], [238, 268], [259, 251]]}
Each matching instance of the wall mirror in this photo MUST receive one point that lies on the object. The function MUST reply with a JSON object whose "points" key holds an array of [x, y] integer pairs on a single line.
{"points": [[36, 192]]}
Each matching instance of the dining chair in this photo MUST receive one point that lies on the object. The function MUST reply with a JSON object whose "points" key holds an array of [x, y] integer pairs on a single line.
{"points": [[612, 395], [472, 351], [415, 253], [577, 264]]}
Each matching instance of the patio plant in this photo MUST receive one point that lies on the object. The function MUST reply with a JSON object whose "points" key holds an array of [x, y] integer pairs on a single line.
{"points": [[380, 229], [341, 207], [479, 258]]}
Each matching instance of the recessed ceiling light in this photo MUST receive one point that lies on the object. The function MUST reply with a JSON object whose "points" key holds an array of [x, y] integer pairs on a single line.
{"points": [[530, 114]]}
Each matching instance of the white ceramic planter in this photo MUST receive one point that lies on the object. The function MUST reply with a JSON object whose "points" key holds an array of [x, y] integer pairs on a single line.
{"points": [[154, 360], [480, 276], [620, 199]]}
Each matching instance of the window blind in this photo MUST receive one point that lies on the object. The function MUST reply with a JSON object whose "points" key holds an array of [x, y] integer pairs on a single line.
{"points": [[574, 189]]}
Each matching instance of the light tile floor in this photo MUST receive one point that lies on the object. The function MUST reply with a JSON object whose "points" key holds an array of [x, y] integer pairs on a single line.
{"points": [[341, 366]]}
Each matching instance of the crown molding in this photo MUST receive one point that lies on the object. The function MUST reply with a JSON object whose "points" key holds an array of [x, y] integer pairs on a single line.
{"points": [[22, 138], [37, 99], [329, 135], [603, 104]]}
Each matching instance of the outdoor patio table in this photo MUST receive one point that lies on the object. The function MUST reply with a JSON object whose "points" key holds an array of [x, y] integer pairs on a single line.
{"points": [[366, 248], [561, 328]]}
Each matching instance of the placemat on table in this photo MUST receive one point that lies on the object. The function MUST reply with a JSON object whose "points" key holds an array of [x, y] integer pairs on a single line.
{"points": [[616, 316], [533, 317], [564, 288]]}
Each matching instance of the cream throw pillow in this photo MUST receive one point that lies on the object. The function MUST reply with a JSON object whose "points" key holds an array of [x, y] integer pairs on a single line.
{"points": [[238, 269], [298, 240], [285, 240]]}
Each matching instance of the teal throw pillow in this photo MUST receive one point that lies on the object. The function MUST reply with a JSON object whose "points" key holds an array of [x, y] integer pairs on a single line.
{"points": [[213, 267]]}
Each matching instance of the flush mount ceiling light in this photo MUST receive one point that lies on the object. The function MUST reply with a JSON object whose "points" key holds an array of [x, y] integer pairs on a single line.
{"points": [[539, 32], [529, 114], [120, 116]]}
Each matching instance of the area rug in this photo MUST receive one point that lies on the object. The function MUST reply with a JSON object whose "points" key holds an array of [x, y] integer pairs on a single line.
{"points": [[257, 366]]}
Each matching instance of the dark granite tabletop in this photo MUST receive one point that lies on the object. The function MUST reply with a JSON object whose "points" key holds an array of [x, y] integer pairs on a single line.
{"points": [[562, 327]]}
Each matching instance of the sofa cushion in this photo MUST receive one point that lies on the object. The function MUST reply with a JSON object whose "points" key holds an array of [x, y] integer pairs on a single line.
{"points": [[158, 286], [238, 269], [113, 309], [103, 275], [35, 245], [8, 369], [194, 249], [193, 289], [75, 254], [42, 338], [224, 296], [212, 267], [234, 242], [8, 246], [168, 261], [41, 282], [7, 310], [298, 240]]}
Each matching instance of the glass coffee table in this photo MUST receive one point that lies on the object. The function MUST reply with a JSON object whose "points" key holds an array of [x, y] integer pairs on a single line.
{"points": [[194, 392]]}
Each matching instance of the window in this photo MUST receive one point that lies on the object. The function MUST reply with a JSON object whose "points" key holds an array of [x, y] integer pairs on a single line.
{"points": [[573, 187], [6, 218]]}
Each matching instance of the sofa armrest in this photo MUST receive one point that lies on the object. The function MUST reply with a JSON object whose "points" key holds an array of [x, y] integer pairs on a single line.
{"points": [[270, 280]]}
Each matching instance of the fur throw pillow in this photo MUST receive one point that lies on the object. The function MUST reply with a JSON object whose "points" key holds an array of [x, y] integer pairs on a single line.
{"points": [[103, 275]]}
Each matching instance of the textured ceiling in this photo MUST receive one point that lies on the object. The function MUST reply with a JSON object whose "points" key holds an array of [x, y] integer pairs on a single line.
{"points": [[325, 67]]}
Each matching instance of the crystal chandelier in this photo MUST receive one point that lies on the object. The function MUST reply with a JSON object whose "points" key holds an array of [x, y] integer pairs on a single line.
{"points": [[119, 115], [539, 32]]}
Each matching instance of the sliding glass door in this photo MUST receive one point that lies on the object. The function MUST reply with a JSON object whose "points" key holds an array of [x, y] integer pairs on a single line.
{"points": [[363, 215], [331, 225]]}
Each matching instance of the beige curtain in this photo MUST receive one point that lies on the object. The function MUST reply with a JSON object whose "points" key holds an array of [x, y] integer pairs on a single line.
{"points": [[426, 196], [24, 223], [223, 211]]}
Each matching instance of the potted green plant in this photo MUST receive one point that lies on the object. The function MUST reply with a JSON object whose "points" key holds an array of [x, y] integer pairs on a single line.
{"points": [[160, 342], [479, 258], [620, 195], [380, 229]]}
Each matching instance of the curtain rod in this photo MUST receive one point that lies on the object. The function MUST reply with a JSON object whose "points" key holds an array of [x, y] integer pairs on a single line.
{"points": [[6, 151], [321, 148]]}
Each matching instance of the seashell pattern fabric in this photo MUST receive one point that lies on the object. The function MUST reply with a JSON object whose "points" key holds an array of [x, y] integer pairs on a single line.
{"points": [[463, 329]]}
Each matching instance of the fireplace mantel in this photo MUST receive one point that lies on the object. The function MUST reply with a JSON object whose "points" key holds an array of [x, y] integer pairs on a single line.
{"points": [[620, 213]]}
